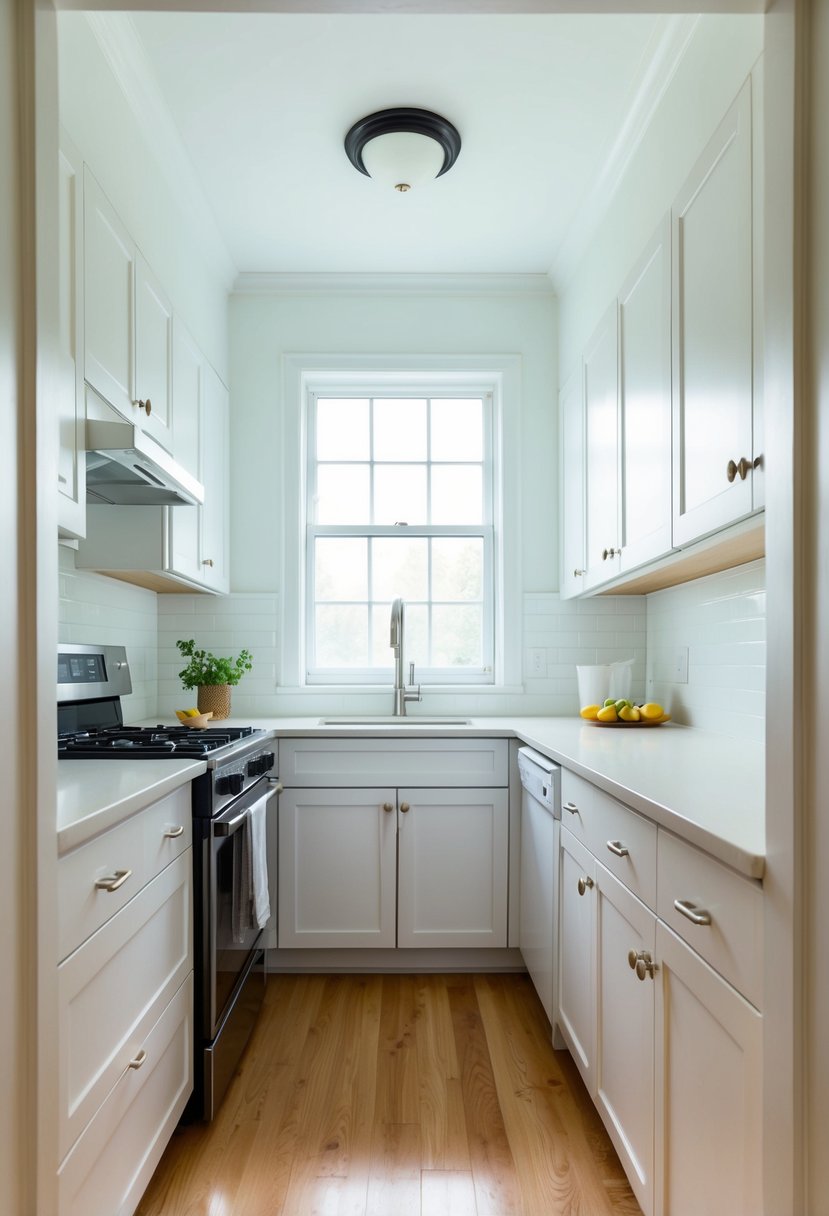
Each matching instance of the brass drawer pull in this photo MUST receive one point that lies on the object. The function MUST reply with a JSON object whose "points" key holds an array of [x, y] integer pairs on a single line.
{"points": [[697, 916], [114, 882], [138, 1060], [571, 807], [619, 849], [174, 833]]}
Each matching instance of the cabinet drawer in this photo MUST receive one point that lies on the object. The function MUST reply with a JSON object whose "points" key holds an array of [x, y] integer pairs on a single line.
{"points": [[140, 845], [112, 989], [730, 907], [112, 1162], [419, 762], [623, 841]]}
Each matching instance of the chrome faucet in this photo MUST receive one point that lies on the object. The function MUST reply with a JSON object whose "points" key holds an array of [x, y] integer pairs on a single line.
{"points": [[396, 636]]}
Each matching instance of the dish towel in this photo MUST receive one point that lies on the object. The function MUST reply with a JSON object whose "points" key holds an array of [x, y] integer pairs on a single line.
{"points": [[251, 907]]}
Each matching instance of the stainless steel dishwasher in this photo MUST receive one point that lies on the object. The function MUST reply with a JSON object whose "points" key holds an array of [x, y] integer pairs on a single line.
{"points": [[540, 816]]}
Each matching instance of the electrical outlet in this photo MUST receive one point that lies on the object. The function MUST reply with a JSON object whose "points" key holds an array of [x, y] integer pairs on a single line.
{"points": [[681, 665], [538, 661]]}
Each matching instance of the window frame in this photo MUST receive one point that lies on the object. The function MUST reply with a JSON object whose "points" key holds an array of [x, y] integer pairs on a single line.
{"points": [[306, 377]]}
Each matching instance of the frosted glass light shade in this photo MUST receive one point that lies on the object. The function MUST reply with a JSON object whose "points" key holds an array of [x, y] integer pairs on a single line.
{"points": [[403, 158]]}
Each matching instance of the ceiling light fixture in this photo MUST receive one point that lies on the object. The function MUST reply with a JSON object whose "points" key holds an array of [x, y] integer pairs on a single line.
{"points": [[403, 147]]}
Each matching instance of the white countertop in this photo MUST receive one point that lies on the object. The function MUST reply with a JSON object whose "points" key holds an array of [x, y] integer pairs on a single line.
{"points": [[94, 795], [706, 788]]}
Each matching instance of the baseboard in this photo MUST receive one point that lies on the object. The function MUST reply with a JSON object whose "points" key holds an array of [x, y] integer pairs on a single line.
{"points": [[393, 961]]}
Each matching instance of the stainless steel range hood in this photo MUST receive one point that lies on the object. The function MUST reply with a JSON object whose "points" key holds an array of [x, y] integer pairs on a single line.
{"points": [[125, 467]]}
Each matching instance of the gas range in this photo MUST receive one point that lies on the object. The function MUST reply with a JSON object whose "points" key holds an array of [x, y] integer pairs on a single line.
{"points": [[91, 682], [152, 742]]}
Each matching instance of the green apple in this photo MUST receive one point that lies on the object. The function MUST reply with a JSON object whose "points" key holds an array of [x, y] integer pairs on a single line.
{"points": [[608, 701]]}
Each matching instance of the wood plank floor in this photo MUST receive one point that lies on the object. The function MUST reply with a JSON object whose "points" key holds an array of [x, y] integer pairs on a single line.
{"points": [[428, 1095]]}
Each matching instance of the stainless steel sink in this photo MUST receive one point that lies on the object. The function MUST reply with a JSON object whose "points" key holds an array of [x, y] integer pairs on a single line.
{"points": [[388, 720]]}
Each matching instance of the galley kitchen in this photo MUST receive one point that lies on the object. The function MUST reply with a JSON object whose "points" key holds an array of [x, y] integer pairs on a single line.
{"points": [[418, 413]]}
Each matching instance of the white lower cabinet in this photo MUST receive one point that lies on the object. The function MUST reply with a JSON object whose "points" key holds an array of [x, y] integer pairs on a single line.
{"points": [[577, 954], [125, 1006], [709, 1089], [669, 1049], [380, 867]]}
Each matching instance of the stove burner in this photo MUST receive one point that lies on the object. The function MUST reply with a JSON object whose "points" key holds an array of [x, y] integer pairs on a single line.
{"points": [[147, 742]]}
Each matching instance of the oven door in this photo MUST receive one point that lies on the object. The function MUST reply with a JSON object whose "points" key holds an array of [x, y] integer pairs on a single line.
{"points": [[231, 941]]}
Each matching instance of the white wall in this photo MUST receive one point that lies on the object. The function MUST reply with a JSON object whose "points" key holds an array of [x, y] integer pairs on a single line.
{"points": [[182, 246], [719, 623], [263, 327], [719, 57]]}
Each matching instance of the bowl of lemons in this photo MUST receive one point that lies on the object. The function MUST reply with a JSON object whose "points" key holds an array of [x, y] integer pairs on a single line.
{"points": [[192, 718], [623, 712]]}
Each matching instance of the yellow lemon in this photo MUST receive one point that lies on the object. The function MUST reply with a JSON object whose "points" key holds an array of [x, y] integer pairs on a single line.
{"points": [[590, 711], [651, 712], [608, 714], [629, 713]]}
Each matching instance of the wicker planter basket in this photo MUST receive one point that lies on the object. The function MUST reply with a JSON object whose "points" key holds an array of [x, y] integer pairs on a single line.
{"points": [[215, 697]]}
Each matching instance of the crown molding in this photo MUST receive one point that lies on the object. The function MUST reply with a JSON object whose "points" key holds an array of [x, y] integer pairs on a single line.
{"points": [[123, 50], [660, 61], [316, 284]]}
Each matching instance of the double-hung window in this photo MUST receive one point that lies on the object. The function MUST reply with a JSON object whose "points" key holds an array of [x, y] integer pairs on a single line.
{"points": [[400, 504]]}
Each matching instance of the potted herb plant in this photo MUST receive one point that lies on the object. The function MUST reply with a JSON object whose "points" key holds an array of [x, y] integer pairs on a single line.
{"points": [[212, 676]]}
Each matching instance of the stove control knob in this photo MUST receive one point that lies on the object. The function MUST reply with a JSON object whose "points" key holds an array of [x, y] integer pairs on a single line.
{"points": [[254, 767], [232, 784], [268, 761]]}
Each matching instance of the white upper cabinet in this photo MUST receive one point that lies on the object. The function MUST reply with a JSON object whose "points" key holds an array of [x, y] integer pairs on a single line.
{"points": [[571, 448], [153, 355], [712, 333], [109, 300], [71, 460], [184, 523], [601, 424], [127, 320], [645, 404]]}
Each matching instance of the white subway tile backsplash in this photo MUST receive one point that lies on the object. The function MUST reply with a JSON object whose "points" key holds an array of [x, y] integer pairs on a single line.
{"points": [[720, 620], [94, 609]]}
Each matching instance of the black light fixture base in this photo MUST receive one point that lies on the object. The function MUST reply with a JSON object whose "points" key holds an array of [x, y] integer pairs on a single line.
{"points": [[403, 118]]}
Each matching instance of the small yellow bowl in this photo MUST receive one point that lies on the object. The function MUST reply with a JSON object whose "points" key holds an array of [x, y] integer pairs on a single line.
{"points": [[198, 721]]}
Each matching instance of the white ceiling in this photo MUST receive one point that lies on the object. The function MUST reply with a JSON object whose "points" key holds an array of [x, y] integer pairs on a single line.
{"points": [[544, 105]]}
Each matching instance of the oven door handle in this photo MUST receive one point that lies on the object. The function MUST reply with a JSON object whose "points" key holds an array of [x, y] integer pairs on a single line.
{"points": [[229, 826]]}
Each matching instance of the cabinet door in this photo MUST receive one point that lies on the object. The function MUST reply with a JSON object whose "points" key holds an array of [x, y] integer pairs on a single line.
{"points": [[625, 1029], [712, 332], [337, 862], [153, 355], [645, 404], [709, 1089], [453, 856], [109, 294], [215, 443], [184, 523], [601, 426], [571, 446], [71, 459], [577, 954]]}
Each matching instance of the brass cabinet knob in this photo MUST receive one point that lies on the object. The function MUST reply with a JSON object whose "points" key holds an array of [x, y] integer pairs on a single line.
{"points": [[146, 406], [612, 552], [578, 573], [404, 807], [584, 884], [633, 958], [387, 806], [208, 561], [742, 468], [645, 966]]}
